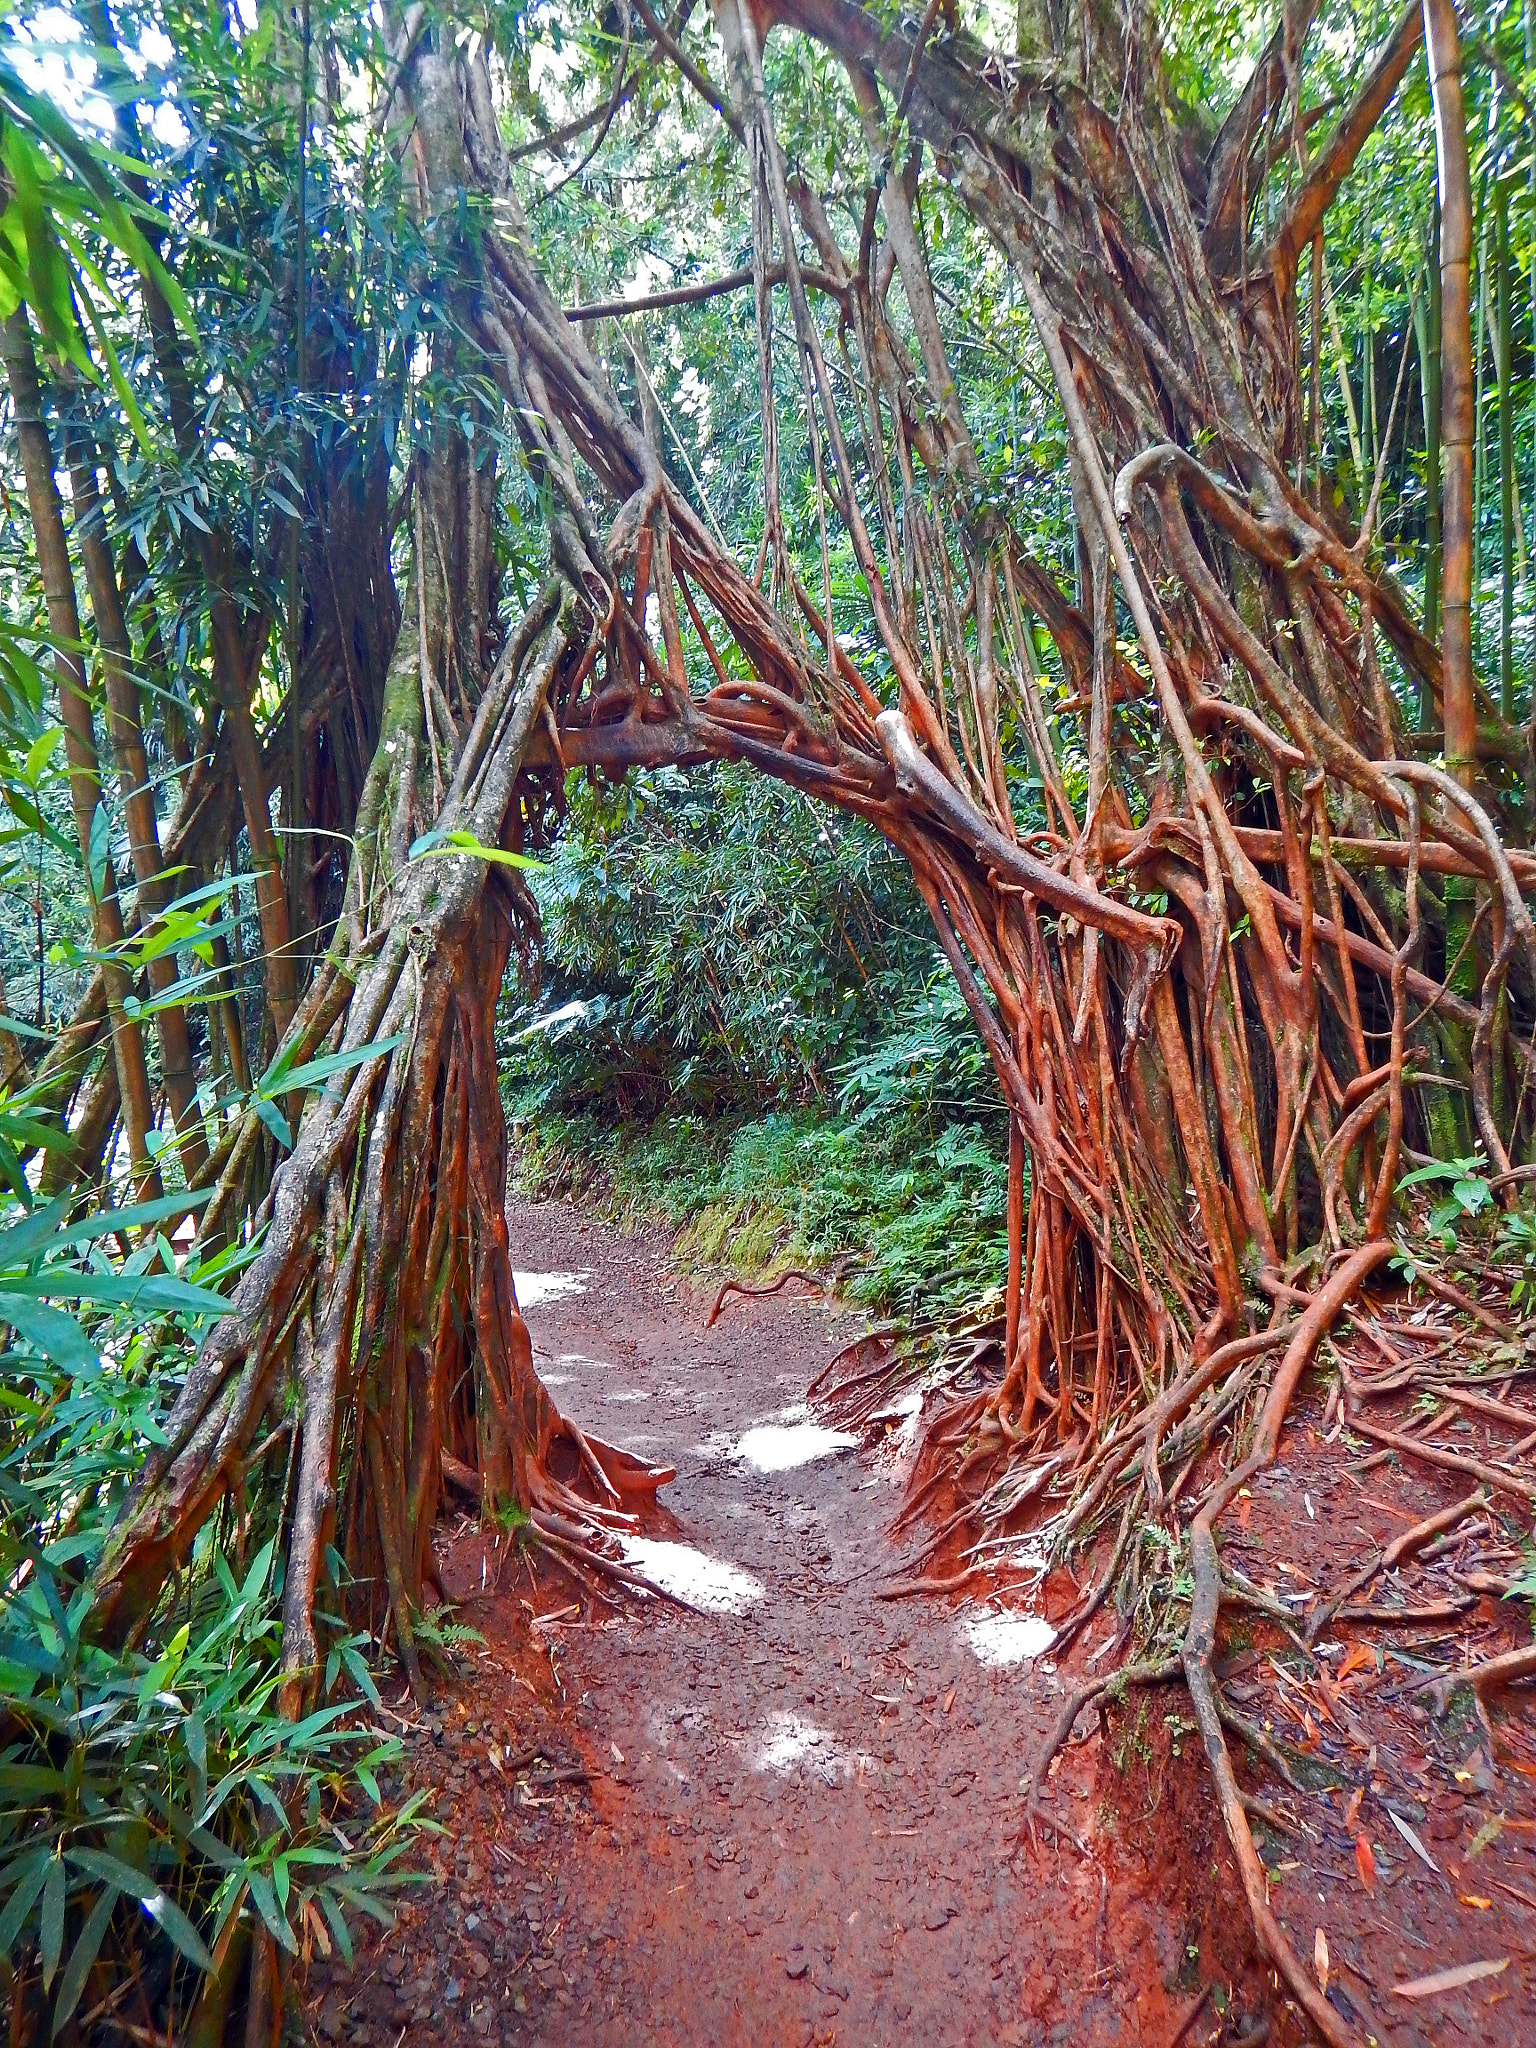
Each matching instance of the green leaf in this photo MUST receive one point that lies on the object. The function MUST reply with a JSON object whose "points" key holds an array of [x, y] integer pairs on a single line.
{"points": [[337, 1922], [274, 1120], [81, 1957], [266, 1905], [28, 1875], [136, 1291], [1439, 1169], [51, 1930], [97, 1863], [362, 1676], [57, 1335], [256, 1577], [439, 844], [100, 850], [23, 1241], [40, 752], [279, 1079], [108, 1222], [195, 1736], [180, 1929]]}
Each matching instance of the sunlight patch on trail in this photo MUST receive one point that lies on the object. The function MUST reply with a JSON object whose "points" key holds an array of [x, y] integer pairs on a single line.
{"points": [[790, 1741], [533, 1289], [792, 1441], [701, 1581], [999, 1638]]}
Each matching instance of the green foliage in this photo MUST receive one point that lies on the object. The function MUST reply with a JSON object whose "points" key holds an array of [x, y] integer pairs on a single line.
{"points": [[1468, 1193], [1520, 1241], [914, 1224], [749, 1028], [715, 941], [153, 1798], [147, 1800]]}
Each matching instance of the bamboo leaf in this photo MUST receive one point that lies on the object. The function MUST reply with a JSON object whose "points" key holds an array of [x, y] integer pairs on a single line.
{"points": [[28, 1877], [82, 1955], [50, 1939]]}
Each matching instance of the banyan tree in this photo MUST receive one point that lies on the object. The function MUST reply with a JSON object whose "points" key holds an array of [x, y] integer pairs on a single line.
{"points": [[1275, 899]]}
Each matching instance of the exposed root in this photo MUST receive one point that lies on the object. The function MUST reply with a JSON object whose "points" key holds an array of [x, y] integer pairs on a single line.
{"points": [[760, 1293], [1488, 1676], [1162, 1671], [1199, 1640], [1492, 1476], [1400, 1547]]}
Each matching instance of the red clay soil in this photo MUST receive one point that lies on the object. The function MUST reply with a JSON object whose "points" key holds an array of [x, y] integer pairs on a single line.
{"points": [[802, 1821]]}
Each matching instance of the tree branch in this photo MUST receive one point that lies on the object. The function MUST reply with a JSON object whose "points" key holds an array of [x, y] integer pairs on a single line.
{"points": [[1338, 156]]}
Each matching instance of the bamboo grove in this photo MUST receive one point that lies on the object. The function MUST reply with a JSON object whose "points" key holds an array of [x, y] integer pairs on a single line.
{"points": [[1259, 941]]}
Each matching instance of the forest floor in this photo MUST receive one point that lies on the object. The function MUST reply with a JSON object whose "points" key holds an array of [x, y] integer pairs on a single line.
{"points": [[791, 1812]]}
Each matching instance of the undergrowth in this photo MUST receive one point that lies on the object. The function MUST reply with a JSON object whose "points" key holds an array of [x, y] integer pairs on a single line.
{"points": [[907, 1229], [747, 1031], [157, 1806]]}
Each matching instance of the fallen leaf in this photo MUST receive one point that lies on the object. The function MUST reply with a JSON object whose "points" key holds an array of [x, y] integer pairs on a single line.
{"points": [[1320, 1961], [617, 1753], [1359, 1658], [1471, 1899], [1488, 1832], [1365, 1862], [1352, 1806], [1451, 1980], [1412, 1840]]}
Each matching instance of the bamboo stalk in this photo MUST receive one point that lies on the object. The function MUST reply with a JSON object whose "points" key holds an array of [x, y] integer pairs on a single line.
{"points": [[136, 794], [1479, 406], [1503, 340], [79, 732], [1427, 322]]}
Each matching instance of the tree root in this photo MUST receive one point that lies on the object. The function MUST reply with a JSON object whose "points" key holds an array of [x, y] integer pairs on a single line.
{"points": [[761, 1293], [1400, 1547], [1159, 1671], [1491, 1476], [1486, 1677], [1205, 1606]]}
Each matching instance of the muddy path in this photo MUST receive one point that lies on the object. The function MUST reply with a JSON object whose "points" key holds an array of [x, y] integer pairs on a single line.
{"points": [[789, 1812], [807, 1822]]}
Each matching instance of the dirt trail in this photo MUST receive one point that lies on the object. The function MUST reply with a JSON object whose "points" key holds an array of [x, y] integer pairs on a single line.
{"points": [[814, 1829], [794, 1817]]}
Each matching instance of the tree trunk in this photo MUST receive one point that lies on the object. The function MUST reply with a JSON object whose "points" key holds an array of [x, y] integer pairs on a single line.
{"points": [[1458, 537], [386, 1270]]}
